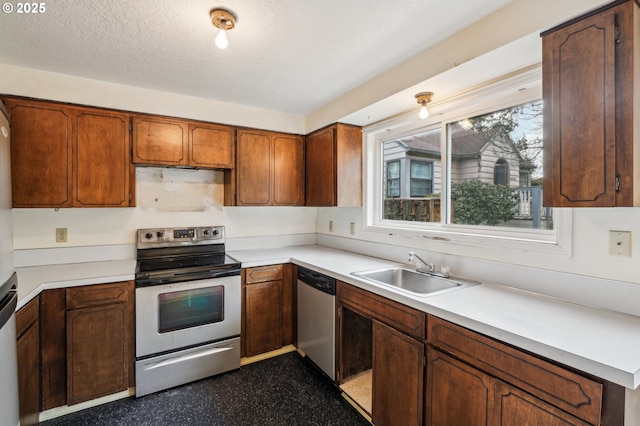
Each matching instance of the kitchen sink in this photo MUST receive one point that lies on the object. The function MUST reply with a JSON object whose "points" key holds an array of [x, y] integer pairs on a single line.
{"points": [[409, 280]]}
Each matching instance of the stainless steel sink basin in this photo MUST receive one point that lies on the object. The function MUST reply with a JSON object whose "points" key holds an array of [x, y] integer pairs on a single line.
{"points": [[409, 280]]}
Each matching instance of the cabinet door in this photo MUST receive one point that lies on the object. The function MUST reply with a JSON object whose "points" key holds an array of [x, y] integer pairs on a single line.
{"points": [[459, 394], [456, 393], [515, 407], [320, 164], [97, 352], [263, 317], [253, 168], [569, 391], [288, 176], [398, 377], [41, 154], [28, 346], [160, 141], [211, 146], [104, 174], [579, 88], [54, 348]]}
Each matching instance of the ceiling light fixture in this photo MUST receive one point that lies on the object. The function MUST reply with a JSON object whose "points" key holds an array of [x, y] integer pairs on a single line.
{"points": [[423, 99], [225, 20]]}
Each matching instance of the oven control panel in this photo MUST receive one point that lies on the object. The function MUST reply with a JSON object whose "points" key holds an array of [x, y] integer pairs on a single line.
{"points": [[170, 237]]}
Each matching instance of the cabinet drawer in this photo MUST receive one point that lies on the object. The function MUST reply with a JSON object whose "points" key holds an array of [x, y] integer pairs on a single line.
{"points": [[262, 274], [565, 389], [98, 295], [27, 315], [403, 318]]}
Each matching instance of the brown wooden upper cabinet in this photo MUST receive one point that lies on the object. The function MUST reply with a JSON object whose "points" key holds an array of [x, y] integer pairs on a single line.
{"points": [[591, 139], [333, 161], [211, 146], [269, 172], [173, 142], [69, 156]]}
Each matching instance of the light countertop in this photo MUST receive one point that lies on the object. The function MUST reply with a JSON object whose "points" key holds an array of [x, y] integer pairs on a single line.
{"points": [[599, 342], [33, 280]]}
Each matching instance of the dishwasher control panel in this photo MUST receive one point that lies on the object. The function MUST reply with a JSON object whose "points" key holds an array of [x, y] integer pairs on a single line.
{"points": [[317, 280]]}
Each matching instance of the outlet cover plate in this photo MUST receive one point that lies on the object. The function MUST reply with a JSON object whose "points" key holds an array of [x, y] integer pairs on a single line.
{"points": [[620, 243]]}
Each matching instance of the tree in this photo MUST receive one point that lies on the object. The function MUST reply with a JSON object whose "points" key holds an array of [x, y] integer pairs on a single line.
{"points": [[477, 203], [523, 124]]}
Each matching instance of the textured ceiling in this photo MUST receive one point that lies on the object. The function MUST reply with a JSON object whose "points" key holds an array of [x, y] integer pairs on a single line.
{"points": [[292, 56]]}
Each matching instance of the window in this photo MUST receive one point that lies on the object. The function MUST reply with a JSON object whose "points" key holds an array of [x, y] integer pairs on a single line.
{"points": [[421, 181], [471, 172], [501, 172], [393, 179]]}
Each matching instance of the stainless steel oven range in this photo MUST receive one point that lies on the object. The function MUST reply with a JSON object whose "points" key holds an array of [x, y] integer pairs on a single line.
{"points": [[187, 307]]}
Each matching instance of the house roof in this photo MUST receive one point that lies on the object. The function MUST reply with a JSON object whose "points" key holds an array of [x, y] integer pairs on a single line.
{"points": [[464, 142]]}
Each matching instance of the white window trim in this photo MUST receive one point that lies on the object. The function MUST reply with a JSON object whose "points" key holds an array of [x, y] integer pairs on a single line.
{"points": [[517, 89]]}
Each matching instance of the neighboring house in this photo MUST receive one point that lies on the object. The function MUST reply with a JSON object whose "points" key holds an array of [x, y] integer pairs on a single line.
{"points": [[413, 163], [413, 170]]}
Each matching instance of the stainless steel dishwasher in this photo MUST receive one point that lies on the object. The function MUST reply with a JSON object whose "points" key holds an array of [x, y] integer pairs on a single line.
{"points": [[316, 318]]}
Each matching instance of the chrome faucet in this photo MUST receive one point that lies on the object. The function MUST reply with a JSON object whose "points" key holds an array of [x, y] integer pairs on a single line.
{"points": [[421, 265], [427, 268]]}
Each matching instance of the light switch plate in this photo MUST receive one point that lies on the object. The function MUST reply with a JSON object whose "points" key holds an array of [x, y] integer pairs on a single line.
{"points": [[620, 243]]}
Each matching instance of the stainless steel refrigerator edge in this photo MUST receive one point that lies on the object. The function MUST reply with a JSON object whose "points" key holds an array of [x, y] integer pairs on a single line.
{"points": [[8, 296]]}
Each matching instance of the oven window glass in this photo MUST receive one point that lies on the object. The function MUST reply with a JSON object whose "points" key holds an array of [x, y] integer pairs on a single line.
{"points": [[190, 308]]}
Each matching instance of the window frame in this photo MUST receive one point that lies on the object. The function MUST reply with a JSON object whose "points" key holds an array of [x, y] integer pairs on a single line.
{"points": [[510, 91]]}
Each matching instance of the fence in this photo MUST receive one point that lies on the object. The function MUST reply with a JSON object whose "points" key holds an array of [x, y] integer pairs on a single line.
{"points": [[530, 212]]}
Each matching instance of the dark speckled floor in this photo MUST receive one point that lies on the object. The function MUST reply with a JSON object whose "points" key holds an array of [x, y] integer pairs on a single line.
{"points": [[285, 390]]}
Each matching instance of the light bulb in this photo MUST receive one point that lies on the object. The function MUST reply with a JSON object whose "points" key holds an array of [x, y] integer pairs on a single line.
{"points": [[221, 39], [424, 112]]}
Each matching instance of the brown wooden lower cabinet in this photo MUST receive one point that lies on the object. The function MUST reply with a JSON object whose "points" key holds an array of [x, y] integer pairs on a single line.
{"points": [[88, 342], [97, 352], [28, 334], [475, 380], [263, 316], [377, 348], [398, 369], [459, 394], [267, 297]]}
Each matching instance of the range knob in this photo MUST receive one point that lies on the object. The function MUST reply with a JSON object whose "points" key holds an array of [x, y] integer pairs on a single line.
{"points": [[215, 232], [160, 234], [206, 232], [148, 235]]}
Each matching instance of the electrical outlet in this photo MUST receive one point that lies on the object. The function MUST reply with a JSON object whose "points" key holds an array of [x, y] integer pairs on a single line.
{"points": [[61, 235], [330, 226], [620, 243], [352, 228]]}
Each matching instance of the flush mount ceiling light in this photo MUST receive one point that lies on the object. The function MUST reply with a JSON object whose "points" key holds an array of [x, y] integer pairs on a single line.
{"points": [[423, 99], [225, 20]]}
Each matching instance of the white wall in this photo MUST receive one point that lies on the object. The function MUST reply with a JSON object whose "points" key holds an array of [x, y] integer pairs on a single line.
{"points": [[589, 258]]}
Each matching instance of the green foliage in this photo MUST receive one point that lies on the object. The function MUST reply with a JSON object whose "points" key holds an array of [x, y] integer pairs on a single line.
{"points": [[477, 203]]}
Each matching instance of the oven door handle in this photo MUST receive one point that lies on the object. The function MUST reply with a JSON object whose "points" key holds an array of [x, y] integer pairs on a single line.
{"points": [[186, 357]]}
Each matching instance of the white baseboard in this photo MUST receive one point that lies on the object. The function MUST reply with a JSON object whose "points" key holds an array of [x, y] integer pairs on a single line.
{"points": [[68, 409]]}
